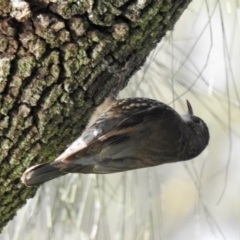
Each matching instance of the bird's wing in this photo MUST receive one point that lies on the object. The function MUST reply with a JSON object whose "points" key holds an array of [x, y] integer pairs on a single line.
{"points": [[121, 111], [118, 144]]}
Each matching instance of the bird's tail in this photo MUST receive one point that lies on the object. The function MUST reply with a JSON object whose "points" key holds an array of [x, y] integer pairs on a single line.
{"points": [[42, 173]]}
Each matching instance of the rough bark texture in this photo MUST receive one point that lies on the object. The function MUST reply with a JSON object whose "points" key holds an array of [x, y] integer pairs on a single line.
{"points": [[58, 60]]}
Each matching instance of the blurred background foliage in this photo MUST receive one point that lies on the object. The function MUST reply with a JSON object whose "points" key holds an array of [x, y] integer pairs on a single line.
{"points": [[198, 199]]}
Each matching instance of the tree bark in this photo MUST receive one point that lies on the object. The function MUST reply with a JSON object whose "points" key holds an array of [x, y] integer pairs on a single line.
{"points": [[58, 61]]}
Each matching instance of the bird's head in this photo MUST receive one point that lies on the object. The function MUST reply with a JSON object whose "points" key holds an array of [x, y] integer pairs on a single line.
{"points": [[199, 133]]}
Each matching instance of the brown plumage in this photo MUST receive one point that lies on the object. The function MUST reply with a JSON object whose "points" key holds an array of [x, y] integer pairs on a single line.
{"points": [[132, 133]]}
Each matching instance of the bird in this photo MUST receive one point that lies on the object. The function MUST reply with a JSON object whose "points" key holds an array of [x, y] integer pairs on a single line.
{"points": [[127, 134]]}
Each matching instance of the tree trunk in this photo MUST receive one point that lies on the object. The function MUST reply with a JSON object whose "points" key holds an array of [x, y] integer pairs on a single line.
{"points": [[59, 60]]}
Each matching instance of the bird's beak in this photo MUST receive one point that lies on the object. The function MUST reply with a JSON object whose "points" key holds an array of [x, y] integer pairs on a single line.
{"points": [[190, 110]]}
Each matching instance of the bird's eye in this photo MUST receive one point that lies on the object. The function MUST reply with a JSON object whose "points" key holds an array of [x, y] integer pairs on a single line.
{"points": [[196, 120]]}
